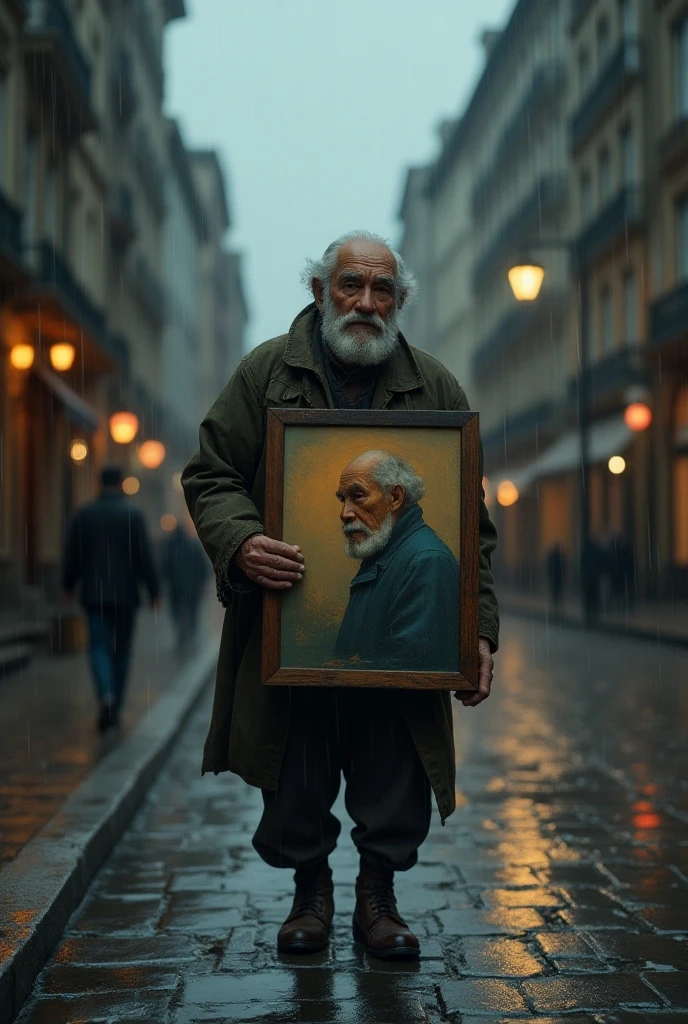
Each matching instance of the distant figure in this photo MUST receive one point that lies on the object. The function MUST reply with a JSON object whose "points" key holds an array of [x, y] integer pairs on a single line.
{"points": [[108, 551], [185, 569], [556, 574]]}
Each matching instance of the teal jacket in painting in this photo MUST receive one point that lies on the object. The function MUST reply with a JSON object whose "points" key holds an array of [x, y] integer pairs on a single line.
{"points": [[403, 611]]}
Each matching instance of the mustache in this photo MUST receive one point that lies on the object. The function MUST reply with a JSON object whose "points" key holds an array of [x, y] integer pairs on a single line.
{"points": [[349, 528], [372, 319]]}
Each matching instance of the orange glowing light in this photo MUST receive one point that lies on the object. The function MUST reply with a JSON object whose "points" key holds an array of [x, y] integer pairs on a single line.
{"points": [[22, 356], [130, 485], [151, 454], [62, 355], [78, 449], [646, 821], [124, 426], [507, 493], [638, 416], [168, 522]]}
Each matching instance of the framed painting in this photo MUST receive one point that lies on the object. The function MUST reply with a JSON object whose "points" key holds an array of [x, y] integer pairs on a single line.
{"points": [[384, 506]]}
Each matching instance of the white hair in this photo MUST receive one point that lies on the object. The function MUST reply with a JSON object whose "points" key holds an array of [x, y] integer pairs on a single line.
{"points": [[321, 269], [392, 470]]}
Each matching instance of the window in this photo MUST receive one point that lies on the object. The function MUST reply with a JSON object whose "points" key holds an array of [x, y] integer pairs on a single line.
{"points": [[586, 195], [605, 175], [681, 68], [682, 239], [606, 321], [630, 295], [583, 71], [627, 18], [603, 41], [628, 154]]}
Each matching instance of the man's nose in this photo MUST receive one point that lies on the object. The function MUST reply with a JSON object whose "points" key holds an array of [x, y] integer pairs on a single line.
{"points": [[347, 513], [365, 300]]}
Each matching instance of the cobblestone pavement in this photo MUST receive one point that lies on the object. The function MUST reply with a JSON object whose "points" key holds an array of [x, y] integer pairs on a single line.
{"points": [[48, 742], [558, 890]]}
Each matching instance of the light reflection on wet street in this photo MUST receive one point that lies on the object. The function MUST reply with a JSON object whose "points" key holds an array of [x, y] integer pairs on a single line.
{"points": [[559, 885]]}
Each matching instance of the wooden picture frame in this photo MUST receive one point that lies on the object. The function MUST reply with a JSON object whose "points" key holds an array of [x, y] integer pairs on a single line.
{"points": [[279, 421]]}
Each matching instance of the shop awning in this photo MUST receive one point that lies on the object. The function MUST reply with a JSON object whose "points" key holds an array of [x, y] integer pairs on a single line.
{"points": [[75, 407], [605, 438]]}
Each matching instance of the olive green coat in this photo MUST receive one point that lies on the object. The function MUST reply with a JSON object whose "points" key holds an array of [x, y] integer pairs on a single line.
{"points": [[224, 485]]}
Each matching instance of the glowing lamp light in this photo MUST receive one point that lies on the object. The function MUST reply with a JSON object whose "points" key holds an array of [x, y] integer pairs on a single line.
{"points": [[130, 485], [616, 465], [168, 522], [124, 426], [507, 493], [78, 450], [22, 356], [62, 355], [526, 281], [151, 454], [638, 416], [177, 482]]}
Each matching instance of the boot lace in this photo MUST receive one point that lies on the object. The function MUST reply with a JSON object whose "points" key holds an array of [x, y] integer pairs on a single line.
{"points": [[309, 898], [382, 899]]}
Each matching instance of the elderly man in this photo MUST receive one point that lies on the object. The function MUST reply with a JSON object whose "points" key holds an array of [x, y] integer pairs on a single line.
{"points": [[399, 614], [343, 351]]}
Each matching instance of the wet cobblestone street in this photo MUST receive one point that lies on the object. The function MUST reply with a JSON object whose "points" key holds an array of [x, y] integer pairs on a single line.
{"points": [[558, 889]]}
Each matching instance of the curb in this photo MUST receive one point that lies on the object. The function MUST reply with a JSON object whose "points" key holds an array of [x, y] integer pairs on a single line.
{"points": [[612, 628], [47, 880]]}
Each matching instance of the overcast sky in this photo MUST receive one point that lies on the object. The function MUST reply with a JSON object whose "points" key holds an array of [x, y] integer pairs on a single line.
{"points": [[317, 108]]}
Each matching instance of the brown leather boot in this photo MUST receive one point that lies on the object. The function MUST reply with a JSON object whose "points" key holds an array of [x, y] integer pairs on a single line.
{"points": [[377, 922], [307, 928]]}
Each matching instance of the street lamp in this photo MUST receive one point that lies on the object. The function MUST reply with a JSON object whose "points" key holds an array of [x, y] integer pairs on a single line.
{"points": [[62, 355], [519, 276], [124, 426]]}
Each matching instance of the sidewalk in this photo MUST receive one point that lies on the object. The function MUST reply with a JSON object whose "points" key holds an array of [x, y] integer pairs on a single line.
{"points": [[48, 740], [663, 621]]}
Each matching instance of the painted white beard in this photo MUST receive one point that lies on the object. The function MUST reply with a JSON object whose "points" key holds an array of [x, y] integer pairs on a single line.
{"points": [[367, 349], [374, 541]]}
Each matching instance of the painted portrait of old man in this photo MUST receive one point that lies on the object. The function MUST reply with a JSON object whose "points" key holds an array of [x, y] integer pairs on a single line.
{"points": [[384, 511]]}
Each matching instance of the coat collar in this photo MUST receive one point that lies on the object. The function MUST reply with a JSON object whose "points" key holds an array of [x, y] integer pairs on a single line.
{"points": [[401, 372], [409, 522]]}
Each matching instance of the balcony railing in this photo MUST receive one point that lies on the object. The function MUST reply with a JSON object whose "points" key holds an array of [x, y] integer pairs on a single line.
{"points": [[610, 376], [519, 323], [52, 270], [617, 220], [536, 420], [150, 293], [48, 36], [624, 67], [669, 318], [546, 199], [547, 84], [10, 228]]}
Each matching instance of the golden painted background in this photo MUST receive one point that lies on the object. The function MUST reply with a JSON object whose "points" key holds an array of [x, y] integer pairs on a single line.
{"points": [[313, 460]]}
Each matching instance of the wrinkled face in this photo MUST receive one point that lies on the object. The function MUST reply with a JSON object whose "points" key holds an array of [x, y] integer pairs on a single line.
{"points": [[368, 514]]}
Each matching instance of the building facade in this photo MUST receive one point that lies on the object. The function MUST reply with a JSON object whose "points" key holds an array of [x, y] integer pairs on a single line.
{"points": [[571, 154], [102, 240]]}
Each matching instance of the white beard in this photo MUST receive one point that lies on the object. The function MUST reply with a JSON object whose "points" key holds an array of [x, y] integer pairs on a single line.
{"points": [[365, 349], [374, 540]]}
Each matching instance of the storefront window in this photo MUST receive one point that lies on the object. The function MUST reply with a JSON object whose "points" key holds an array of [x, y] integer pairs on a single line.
{"points": [[681, 479], [682, 239], [606, 321]]}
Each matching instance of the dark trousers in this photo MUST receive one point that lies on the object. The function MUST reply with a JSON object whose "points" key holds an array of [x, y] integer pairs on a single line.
{"points": [[110, 634], [359, 733]]}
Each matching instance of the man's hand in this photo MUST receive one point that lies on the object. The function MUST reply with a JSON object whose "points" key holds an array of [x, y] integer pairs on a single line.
{"points": [[484, 676], [271, 563]]}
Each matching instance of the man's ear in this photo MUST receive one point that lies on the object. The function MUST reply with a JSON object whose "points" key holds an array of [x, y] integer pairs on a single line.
{"points": [[401, 300], [318, 292], [397, 495]]}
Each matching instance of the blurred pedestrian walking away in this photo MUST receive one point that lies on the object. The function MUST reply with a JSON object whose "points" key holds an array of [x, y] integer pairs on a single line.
{"points": [[556, 575], [185, 570], [108, 552]]}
